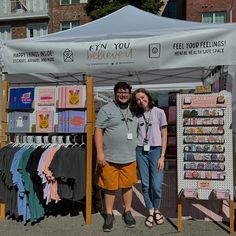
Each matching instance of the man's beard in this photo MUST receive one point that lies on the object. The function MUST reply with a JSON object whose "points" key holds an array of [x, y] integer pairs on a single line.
{"points": [[121, 104]]}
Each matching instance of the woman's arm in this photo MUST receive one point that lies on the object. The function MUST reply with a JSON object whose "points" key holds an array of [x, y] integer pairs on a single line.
{"points": [[161, 161], [163, 140]]}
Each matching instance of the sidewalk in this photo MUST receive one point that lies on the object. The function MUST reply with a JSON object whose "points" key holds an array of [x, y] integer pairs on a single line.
{"points": [[200, 218], [74, 226]]}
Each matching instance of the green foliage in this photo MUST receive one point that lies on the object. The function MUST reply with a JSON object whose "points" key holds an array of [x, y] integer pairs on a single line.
{"points": [[152, 6], [99, 8]]}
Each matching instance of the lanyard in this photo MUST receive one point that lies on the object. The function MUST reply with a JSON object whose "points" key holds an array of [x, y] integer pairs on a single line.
{"points": [[147, 124], [125, 117]]}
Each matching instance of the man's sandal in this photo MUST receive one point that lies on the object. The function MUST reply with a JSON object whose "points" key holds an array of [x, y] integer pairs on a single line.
{"points": [[149, 221], [158, 218]]}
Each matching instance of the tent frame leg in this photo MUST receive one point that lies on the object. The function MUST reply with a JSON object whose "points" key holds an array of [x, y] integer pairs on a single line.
{"points": [[5, 86], [180, 208]]}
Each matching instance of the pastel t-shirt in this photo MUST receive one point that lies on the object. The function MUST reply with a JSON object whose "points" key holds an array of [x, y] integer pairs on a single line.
{"points": [[156, 118]]}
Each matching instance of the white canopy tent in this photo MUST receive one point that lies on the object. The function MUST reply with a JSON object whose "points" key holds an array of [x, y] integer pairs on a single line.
{"points": [[129, 44]]}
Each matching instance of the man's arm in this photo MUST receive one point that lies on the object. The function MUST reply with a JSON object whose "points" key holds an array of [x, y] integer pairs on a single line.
{"points": [[99, 146]]}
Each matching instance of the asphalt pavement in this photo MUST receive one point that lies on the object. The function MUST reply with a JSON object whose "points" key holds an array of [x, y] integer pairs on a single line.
{"points": [[202, 218], [75, 225]]}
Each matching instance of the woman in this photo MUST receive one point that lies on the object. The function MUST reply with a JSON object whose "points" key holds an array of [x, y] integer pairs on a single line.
{"points": [[150, 152]]}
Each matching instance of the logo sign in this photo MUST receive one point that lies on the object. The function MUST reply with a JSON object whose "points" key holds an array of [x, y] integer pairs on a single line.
{"points": [[26, 98], [68, 55], [154, 50]]}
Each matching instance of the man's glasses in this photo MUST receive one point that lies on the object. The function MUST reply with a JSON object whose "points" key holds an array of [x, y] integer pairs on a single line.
{"points": [[122, 93]]}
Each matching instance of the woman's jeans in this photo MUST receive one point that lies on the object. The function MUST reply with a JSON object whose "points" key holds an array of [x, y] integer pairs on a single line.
{"points": [[151, 176]]}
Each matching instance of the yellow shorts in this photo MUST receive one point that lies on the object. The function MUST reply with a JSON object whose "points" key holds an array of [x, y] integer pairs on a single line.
{"points": [[114, 176]]}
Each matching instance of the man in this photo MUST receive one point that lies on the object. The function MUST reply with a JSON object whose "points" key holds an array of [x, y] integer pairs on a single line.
{"points": [[116, 140]]}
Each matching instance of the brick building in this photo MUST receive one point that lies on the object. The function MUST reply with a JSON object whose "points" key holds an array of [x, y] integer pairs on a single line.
{"points": [[211, 11], [30, 18], [207, 11]]}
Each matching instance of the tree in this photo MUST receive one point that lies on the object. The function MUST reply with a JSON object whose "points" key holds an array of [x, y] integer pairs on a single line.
{"points": [[99, 8]]}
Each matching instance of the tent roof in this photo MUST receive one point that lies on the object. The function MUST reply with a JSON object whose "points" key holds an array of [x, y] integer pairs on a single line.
{"points": [[127, 22], [132, 25]]}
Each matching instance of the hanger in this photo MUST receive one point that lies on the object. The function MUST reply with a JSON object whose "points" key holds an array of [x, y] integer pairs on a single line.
{"points": [[83, 144], [38, 141], [23, 140], [68, 142], [46, 141], [9, 142], [30, 139], [54, 141], [16, 141], [60, 139], [75, 143]]}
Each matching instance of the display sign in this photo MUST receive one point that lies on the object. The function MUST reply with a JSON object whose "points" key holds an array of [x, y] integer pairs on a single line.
{"points": [[190, 48], [203, 89]]}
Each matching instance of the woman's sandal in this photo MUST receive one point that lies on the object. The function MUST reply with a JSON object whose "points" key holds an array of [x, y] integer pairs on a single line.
{"points": [[158, 218], [149, 221]]}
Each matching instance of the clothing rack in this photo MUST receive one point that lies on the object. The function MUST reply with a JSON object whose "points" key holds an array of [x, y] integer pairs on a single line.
{"points": [[64, 140], [89, 138]]}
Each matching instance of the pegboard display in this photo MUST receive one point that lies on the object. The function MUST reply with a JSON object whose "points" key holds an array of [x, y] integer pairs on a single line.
{"points": [[205, 148]]}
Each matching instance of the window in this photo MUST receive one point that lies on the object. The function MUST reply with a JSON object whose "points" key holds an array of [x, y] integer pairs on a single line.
{"points": [[37, 5], [214, 17], [4, 6], [64, 2], [69, 25], [5, 32], [34, 30]]}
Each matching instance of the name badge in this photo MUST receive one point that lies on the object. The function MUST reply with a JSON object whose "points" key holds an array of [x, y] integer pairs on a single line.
{"points": [[146, 147], [129, 136]]}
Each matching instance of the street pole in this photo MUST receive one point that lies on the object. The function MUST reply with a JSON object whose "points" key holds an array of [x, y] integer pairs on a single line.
{"points": [[231, 11]]}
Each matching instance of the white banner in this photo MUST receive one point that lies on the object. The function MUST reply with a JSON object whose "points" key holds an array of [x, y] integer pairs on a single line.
{"points": [[194, 48]]}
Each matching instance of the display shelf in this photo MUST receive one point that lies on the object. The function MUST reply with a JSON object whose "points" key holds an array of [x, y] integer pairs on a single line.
{"points": [[20, 109], [90, 124], [73, 108]]}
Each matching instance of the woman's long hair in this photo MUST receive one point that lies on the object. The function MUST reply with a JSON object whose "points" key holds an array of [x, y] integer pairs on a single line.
{"points": [[135, 109]]}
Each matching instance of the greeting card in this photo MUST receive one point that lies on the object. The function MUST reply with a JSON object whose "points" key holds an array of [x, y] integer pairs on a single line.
{"points": [[44, 121], [46, 96]]}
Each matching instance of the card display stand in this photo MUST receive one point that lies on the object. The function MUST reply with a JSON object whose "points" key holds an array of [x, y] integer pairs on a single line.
{"points": [[205, 149]]}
